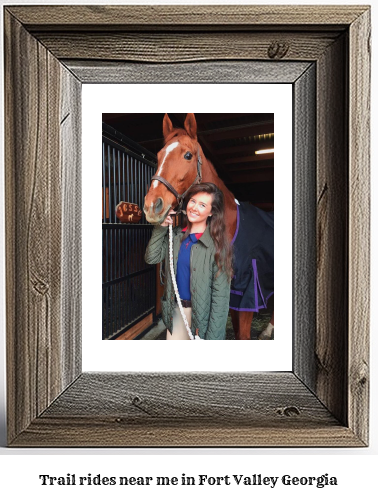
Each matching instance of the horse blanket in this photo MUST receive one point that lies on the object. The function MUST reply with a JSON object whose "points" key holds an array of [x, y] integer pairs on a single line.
{"points": [[253, 246]]}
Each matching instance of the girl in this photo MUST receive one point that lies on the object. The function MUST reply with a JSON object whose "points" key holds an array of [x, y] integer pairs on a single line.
{"points": [[202, 258]]}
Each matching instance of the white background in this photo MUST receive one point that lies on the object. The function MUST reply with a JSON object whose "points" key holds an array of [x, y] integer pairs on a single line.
{"points": [[355, 468], [99, 355]]}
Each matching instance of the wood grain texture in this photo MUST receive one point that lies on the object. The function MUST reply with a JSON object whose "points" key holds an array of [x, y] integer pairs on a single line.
{"points": [[200, 72], [28, 189], [322, 403], [36, 355], [169, 410], [332, 235], [359, 226], [110, 432], [223, 396], [71, 188], [184, 47], [147, 16], [304, 227]]}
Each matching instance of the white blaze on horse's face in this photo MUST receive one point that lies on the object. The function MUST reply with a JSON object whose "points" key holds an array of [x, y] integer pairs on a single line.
{"points": [[177, 165], [168, 150]]}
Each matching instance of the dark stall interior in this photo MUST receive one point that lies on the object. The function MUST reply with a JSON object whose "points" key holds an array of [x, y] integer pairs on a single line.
{"points": [[229, 140], [131, 288]]}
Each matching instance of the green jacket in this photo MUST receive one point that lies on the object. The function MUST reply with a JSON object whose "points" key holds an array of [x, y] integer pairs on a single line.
{"points": [[210, 294]]}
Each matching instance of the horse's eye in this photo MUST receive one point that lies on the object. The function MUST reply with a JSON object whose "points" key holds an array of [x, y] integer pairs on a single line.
{"points": [[188, 156]]}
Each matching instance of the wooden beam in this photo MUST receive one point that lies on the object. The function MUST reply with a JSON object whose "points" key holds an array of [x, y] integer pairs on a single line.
{"points": [[260, 175], [203, 119], [248, 159], [243, 130], [245, 167], [241, 148], [137, 329]]}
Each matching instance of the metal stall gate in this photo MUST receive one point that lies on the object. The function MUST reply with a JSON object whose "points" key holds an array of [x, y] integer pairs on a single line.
{"points": [[128, 283]]}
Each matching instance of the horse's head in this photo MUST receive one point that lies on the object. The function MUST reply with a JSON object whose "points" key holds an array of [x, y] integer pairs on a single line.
{"points": [[177, 165]]}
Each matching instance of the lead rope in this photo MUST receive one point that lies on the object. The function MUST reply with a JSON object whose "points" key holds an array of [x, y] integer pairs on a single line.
{"points": [[197, 337]]}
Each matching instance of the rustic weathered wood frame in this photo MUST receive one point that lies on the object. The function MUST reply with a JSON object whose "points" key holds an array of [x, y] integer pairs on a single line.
{"points": [[49, 53]]}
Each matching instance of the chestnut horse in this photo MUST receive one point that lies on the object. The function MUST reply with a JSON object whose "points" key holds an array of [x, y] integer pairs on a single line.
{"points": [[181, 163]]}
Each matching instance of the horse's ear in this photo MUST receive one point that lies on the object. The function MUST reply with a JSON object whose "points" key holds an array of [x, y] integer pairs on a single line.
{"points": [[191, 126], [167, 126]]}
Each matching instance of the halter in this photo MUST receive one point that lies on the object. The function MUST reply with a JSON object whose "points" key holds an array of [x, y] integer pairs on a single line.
{"points": [[180, 197]]}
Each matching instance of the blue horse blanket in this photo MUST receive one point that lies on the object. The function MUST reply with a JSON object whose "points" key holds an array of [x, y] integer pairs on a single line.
{"points": [[253, 246]]}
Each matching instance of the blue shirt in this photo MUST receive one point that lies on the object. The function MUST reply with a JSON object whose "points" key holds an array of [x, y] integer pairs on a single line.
{"points": [[183, 266]]}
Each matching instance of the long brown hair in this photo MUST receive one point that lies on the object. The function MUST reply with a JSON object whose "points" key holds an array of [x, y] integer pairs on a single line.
{"points": [[216, 225]]}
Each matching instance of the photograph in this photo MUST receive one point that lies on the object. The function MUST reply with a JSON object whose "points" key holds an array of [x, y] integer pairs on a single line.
{"points": [[210, 176]]}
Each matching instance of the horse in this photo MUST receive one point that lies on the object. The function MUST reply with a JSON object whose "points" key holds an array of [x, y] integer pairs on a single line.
{"points": [[181, 164]]}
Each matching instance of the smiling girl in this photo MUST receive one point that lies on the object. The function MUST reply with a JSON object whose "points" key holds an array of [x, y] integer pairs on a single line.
{"points": [[202, 258]]}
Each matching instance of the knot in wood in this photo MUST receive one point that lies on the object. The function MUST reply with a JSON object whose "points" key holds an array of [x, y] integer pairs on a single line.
{"points": [[136, 400], [140, 404], [41, 287], [363, 381], [278, 50], [288, 411], [362, 374]]}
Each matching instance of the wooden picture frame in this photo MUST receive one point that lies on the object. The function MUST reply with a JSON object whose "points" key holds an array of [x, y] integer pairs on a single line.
{"points": [[324, 51]]}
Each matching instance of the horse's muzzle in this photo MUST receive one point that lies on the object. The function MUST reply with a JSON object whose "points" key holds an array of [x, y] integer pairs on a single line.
{"points": [[154, 214]]}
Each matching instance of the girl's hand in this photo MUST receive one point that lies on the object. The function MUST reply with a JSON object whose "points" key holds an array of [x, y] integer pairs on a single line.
{"points": [[168, 219]]}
